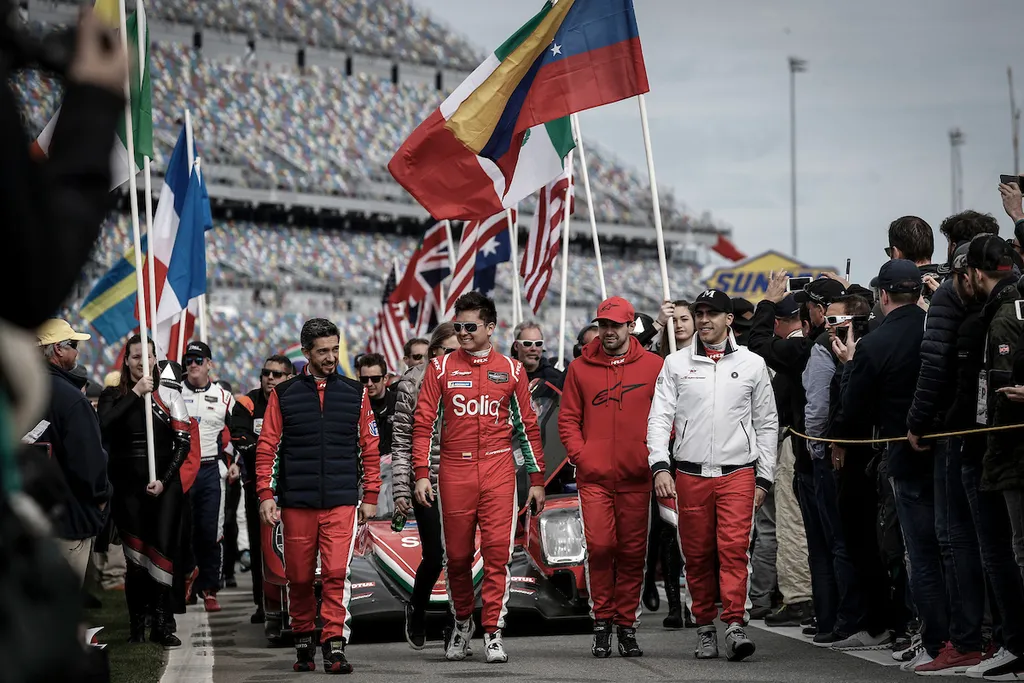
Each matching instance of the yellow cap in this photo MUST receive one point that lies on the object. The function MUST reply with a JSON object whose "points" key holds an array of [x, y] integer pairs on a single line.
{"points": [[55, 331], [112, 379]]}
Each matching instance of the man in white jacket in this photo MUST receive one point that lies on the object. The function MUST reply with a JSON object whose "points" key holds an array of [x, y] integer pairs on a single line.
{"points": [[718, 396]]}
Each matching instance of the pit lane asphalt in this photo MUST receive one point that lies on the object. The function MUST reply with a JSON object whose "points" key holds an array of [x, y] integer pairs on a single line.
{"points": [[241, 655]]}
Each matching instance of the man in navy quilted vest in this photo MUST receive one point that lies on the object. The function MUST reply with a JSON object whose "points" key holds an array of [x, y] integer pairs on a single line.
{"points": [[318, 444]]}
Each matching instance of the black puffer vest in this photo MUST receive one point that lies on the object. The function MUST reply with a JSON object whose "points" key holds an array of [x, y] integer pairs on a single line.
{"points": [[319, 453]]}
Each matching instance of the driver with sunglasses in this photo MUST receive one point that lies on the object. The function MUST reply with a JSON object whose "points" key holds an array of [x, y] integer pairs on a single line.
{"points": [[246, 425], [372, 371]]}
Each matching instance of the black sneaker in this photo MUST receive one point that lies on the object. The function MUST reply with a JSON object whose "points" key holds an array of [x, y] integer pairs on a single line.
{"points": [[415, 629], [628, 647], [811, 630], [334, 657], [826, 639], [602, 646], [760, 612], [789, 615], [258, 617], [305, 652]]}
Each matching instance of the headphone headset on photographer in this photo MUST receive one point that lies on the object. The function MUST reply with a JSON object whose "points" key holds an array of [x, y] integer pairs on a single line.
{"points": [[577, 349]]}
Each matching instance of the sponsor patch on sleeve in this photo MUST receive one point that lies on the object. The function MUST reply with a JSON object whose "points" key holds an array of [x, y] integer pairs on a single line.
{"points": [[373, 428], [497, 377], [1004, 349], [460, 384]]}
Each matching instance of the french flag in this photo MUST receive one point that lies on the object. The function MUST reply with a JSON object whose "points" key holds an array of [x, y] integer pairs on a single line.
{"points": [[178, 243]]}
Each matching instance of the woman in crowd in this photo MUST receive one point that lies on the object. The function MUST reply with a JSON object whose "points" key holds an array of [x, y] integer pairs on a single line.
{"points": [[663, 542], [147, 512]]}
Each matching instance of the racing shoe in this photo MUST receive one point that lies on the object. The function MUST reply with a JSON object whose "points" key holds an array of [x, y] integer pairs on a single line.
{"points": [[334, 657], [210, 602], [305, 652], [602, 646], [494, 648], [628, 647], [415, 629], [707, 642], [458, 646], [737, 645]]}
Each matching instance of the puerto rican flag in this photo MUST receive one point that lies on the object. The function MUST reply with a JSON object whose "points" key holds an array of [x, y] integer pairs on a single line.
{"points": [[178, 242]]}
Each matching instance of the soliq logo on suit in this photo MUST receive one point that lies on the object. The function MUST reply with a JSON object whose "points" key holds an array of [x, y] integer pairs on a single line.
{"points": [[749, 278]]}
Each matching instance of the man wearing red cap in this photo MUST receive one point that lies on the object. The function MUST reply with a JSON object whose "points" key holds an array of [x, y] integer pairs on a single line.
{"points": [[605, 402], [718, 396]]}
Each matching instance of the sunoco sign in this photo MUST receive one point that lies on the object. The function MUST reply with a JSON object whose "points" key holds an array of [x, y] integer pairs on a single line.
{"points": [[749, 278]]}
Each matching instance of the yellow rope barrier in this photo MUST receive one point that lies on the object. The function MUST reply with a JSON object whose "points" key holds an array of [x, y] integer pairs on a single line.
{"points": [[941, 435]]}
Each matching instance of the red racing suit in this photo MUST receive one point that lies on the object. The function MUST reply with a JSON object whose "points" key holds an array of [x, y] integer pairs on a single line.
{"points": [[318, 443], [482, 406], [603, 425]]}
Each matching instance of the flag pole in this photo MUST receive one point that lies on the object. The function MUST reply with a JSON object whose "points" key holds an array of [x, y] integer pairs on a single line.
{"points": [[575, 120], [151, 265], [565, 266], [198, 165], [656, 206], [191, 153], [137, 237], [513, 242], [452, 263], [194, 165]]}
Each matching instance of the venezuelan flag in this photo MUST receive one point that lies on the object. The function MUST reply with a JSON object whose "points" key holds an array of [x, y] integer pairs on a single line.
{"points": [[110, 306], [573, 55]]}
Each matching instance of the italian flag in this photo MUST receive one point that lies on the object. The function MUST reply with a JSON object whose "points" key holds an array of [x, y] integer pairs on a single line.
{"points": [[140, 94], [452, 182]]}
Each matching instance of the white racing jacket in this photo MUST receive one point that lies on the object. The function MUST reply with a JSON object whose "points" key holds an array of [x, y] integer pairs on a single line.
{"points": [[724, 413]]}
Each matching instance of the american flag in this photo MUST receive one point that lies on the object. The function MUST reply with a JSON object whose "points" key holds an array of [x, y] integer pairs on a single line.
{"points": [[477, 237], [389, 334], [544, 242]]}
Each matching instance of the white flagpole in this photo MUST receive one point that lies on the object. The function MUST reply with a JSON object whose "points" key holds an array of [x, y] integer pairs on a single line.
{"points": [[513, 241], [659, 233], [194, 166], [137, 237], [565, 266], [452, 264], [575, 120], [141, 39]]}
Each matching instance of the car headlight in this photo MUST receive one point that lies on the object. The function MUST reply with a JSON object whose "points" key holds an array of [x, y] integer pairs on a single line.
{"points": [[561, 537]]}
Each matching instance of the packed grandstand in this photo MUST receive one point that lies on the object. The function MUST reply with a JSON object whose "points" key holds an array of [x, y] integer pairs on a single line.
{"points": [[326, 131]]}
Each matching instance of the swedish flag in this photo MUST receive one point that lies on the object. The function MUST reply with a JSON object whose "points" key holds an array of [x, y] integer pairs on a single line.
{"points": [[110, 306]]}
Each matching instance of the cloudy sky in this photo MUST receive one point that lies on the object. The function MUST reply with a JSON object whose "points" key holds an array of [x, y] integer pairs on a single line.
{"points": [[886, 81]]}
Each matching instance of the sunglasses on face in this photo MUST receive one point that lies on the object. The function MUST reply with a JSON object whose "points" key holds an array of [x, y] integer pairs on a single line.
{"points": [[888, 251], [416, 356], [529, 343], [194, 360], [468, 327], [366, 379], [276, 374], [835, 320], [71, 344]]}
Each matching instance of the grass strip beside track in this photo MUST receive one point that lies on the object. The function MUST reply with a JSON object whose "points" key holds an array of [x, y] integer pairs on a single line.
{"points": [[141, 663]]}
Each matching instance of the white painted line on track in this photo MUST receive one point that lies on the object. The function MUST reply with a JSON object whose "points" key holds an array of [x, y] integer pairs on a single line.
{"points": [[193, 661]]}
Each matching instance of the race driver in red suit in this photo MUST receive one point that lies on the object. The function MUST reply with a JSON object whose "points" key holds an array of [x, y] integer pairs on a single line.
{"points": [[480, 400], [603, 424], [318, 443]]}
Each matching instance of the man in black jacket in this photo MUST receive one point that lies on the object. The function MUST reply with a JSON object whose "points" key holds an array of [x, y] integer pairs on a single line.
{"points": [[246, 425], [71, 431]]}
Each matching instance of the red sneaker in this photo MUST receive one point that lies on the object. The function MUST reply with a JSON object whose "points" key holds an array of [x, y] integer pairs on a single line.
{"points": [[189, 581], [949, 662], [211, 604]]}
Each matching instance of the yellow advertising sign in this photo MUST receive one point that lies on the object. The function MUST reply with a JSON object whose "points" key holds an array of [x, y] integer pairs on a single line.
{"points": [[749, 278]]}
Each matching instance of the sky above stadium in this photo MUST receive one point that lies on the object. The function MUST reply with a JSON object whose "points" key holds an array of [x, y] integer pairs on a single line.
{"points": [[886, 81]]}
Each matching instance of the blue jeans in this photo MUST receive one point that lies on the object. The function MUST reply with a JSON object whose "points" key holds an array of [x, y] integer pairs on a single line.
{"points": [[824, 591], [850, 610], [958, 543], [915, 505], [994, 540]]}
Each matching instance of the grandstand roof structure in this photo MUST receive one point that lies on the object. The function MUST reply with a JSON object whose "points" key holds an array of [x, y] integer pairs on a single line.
{"points": [[299, 104]]}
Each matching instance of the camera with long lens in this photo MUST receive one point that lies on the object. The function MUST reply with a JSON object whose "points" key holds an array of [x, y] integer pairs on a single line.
{"points": [[20, 49]]}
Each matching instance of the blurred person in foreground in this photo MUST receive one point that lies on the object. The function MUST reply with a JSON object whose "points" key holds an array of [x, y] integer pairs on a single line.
{"points": [[479, 400], [147, 512], [246, 425], [428, 519], [606, 398], [718, 397], [71, 430], [318, 454]]}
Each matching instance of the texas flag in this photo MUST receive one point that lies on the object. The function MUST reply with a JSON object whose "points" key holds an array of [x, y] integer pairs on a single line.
{"points": [[179, 236]]}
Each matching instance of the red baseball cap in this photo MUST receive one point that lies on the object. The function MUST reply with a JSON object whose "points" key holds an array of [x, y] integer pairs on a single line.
{"points": [[616, 309]]}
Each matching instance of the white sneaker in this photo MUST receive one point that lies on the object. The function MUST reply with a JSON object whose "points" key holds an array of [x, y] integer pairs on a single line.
{"points": [[920, 658], [494, 648], [458, 648], [1000, 658], [908, 653]]}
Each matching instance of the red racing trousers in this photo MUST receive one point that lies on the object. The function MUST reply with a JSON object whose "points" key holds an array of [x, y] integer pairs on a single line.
{"points": [[333, 533], [716, 512], [615, 526], [470, 493]]}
